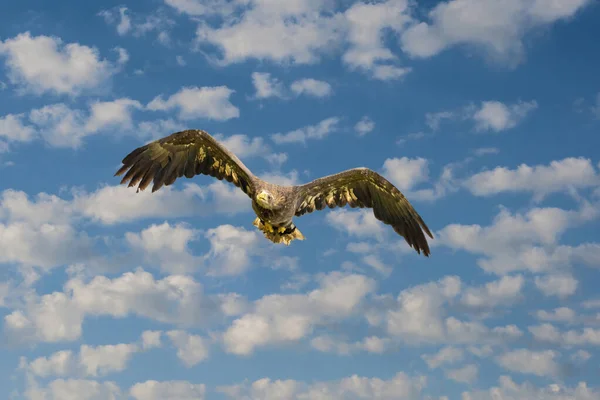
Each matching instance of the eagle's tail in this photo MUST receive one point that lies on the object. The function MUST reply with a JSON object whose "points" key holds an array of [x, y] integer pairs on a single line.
{"points": [[277, 237]]}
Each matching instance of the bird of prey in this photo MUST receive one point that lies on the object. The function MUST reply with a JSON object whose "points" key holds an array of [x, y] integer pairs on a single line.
{"points": [[193, 152]]}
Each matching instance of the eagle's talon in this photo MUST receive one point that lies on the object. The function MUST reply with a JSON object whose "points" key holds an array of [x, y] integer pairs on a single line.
{"points": [[282, 229]]}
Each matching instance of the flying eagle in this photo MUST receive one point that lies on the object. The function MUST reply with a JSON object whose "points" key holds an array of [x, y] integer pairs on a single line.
{"points": [[193, 152]]}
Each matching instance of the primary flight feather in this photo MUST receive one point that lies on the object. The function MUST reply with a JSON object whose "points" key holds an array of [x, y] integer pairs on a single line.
{"points": [[193, 152]]}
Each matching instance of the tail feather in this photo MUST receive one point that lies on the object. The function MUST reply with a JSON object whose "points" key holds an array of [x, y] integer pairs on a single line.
{"points": [[276, 237]]}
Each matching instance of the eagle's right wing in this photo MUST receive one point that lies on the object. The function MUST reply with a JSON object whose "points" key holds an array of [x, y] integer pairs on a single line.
{"points": [[186, 153], [362, 187]]}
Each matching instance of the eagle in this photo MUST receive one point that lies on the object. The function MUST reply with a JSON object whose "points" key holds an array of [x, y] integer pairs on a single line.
{"points": [[192, 152]]}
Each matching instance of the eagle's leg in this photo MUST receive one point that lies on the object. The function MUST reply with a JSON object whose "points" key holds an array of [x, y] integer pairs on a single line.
{"points": [[279, 234]]}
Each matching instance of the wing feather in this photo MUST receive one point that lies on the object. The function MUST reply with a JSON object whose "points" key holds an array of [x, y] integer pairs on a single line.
{"points": [[364, 188], [186, 153]]}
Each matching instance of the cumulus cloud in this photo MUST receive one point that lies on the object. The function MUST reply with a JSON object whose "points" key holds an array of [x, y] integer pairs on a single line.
{"points": [[498, 29], [401, 387], [301, 135], [508, 388], [154, 390], [41, 64], [540, 363], [58, 316], [496, 116], [209, 102], [364, 126], [266, 86], [311, 87], [289, 318], [514, 242], [541, 180]]}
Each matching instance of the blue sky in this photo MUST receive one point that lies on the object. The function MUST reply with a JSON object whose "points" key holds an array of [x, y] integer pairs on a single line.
{"points": [[485, 114]]}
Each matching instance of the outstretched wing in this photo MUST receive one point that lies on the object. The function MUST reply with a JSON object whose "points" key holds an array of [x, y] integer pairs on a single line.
{"points": [[186, 153], [362, 187]]}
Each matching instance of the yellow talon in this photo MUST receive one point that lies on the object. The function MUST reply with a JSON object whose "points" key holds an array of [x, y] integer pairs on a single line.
{"points": [[269, 227], [281, 229]]}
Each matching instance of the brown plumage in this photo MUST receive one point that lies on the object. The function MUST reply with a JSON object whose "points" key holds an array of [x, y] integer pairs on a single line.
{"points": [[193, 152]]}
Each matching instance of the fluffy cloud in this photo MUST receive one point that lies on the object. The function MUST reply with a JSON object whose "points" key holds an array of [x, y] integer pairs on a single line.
{"points": [[489, 116], [318, 131], [288, 318], [419, 316], [365, 24], [175, 299], [42, 64], [199, 102], [311, 87], [540, 363], [191, 349], [181, 390], [510, 389], [497, 28], [516, 242], [265, 86], [400, 387], [541, 180], [364, 126], [496, 116]]}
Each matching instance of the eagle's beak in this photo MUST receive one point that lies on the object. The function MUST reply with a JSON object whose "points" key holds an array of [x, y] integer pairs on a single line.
{"points": [[262, 197]]}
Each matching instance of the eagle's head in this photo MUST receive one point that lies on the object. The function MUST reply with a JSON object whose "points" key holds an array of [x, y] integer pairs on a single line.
{"points": [[267, 200]]}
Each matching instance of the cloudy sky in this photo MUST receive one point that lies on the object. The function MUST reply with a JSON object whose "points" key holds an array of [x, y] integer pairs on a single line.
{"points": [[485, 113]]}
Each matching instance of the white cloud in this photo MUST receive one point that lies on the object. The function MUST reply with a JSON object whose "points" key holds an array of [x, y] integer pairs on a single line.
{"points": [[516, 242], [209, 102], [560, 285], [318, 131], [41, 64], [167, 246], [434, 120], [399, 387], [491, 115], [60, 363], [101, 360], [13, 129], [466, 374], [561, 314], [560, 175], [366, 23], [130, 23], [419, 316], [497, 28], [446, 355], [508, 389], [230, 249], [179, 390], [540, 363], [191, 349], [111, 113], [175, 299], [151, 339], [359, 223], [61, 126], [364, 126], [506, 290], [311, 87], [124, 22], [75, 389], [550, 334], [291, 32], [265, 86], [405, 173], [288, 318], [496, 116]]}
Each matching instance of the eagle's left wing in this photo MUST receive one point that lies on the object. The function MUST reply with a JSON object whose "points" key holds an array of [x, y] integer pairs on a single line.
{"points": [[362, 187]]}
